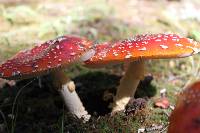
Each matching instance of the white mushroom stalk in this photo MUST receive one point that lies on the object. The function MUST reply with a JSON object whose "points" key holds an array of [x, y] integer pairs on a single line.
{"points": [[66, 88], [128, 85]]}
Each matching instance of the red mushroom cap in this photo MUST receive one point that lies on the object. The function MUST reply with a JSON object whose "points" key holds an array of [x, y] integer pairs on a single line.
{"points": [[186, 116], [48, 56], [143, 47]]}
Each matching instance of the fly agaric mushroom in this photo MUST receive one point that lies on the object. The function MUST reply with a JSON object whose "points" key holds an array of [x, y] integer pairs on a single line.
{"points": [[52, 56], [186, 116], [135, 51]]}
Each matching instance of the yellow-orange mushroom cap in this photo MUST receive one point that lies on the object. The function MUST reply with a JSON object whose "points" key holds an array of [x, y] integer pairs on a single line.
{"points": [[141, 47]]}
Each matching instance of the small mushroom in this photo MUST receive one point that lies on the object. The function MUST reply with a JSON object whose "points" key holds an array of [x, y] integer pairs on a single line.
{"points": [[51, 57], [135, 51], [186, 116]]}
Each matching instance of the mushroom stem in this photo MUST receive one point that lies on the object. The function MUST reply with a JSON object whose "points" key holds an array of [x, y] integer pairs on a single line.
{"points": [[66, 88], [128, 85]]}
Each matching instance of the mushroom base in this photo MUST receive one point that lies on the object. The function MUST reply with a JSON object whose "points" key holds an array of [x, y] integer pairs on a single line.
{"points": [[128, 85], [66, 87]]}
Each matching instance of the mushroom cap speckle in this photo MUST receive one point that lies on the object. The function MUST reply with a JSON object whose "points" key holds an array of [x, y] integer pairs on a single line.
{"points": [[51, 55], [186, 116], [141, 47]]}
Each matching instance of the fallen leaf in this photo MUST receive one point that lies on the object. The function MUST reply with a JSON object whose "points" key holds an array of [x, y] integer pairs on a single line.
{"points": [[162, 103]]}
